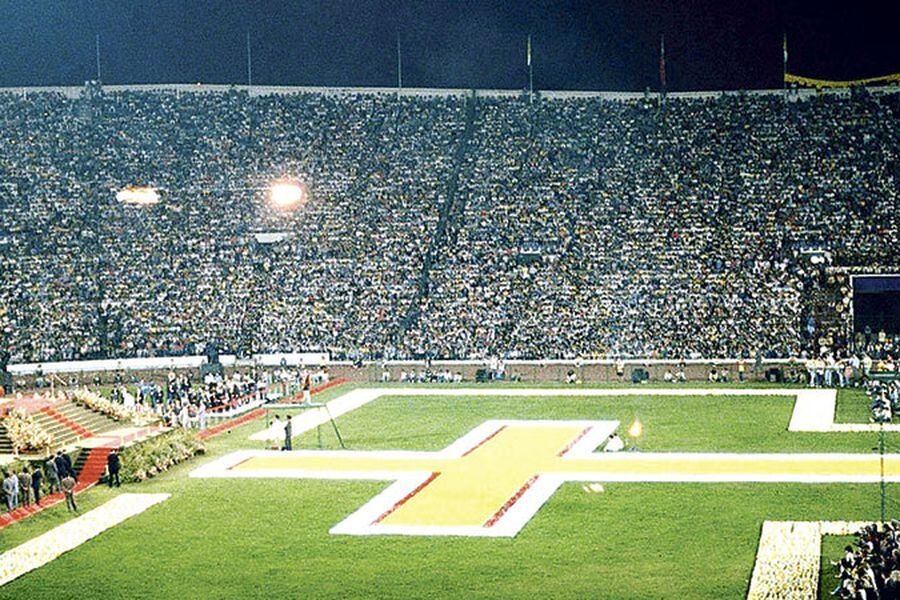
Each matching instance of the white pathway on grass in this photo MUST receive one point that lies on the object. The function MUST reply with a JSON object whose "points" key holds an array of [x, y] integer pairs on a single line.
{"points": [[41, 550], [813, 409], [789, 557], [313, 417], [787, 561]]}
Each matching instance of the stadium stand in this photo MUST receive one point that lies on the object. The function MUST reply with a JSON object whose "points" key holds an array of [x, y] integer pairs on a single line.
{"points": [[449, 226]]}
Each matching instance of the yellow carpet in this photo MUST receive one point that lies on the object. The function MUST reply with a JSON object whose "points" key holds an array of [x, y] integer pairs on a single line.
{"points": [[473, 489]]}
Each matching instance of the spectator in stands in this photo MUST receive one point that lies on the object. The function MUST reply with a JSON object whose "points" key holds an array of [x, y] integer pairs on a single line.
{"points": [[574, 227]]}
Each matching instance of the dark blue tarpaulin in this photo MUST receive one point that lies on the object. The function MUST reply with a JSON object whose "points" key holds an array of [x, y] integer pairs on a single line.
{"points": [[876, 285]]}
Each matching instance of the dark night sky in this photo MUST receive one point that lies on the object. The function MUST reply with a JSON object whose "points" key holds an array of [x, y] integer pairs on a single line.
{"points": [[589, 45]]}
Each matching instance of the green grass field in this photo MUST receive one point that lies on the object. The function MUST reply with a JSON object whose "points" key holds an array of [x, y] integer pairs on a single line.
{"points": [[269, 538]]}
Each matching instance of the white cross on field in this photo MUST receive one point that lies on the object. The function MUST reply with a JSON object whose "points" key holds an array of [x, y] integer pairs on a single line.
{"points": [[494, 479]]}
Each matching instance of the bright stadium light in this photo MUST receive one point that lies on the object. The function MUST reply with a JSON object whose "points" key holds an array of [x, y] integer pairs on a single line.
{"points": [[636, 429], [138, 195], [287, 194]]}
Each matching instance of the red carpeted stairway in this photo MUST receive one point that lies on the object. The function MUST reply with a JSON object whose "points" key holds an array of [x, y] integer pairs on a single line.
{"points": [[66, 422], [93, 468]]}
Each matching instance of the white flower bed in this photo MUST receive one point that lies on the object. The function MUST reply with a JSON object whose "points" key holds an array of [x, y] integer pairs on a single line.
{"points": [[25, 434], [39, 551], [137, 414], [789, 557], [787, 561]]}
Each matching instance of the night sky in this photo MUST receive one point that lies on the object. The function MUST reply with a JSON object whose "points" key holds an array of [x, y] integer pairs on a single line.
{"points": [[590, 45]]}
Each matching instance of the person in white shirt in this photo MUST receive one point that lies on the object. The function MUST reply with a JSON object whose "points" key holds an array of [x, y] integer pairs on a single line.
{"points": [[614, 443], [277, 431], [202, 418]]}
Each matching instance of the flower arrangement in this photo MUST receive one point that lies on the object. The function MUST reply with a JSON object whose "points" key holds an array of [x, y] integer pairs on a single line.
{"points": [[158, 454], [138, 414], [25, 434]]}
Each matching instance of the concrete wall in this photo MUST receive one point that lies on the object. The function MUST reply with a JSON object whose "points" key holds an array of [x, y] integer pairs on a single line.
{"points": [[555, 371], [600, 371]]}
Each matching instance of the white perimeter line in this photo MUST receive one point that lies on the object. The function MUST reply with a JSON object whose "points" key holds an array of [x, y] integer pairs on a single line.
{"points": [[814, 409], [41, 550]]}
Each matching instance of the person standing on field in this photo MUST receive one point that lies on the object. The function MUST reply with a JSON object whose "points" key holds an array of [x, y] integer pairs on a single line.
{"points": [[36, 483], [25, 486], [288, 435], [112, 465], [52, 474], [68, 488], [307, 388], [11, 491]]}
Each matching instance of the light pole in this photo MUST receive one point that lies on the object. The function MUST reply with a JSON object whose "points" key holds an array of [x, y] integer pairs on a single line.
{"points": [[881, 461]]}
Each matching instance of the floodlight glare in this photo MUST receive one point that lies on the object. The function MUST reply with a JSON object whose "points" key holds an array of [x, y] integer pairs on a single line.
{"points": [[636, 429], [287, 194], [139, 196]]}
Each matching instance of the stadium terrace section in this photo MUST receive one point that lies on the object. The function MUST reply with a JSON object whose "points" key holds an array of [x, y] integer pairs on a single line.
{"points": [[453, 226]]}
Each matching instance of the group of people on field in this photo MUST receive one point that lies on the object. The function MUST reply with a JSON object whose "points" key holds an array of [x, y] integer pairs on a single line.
{"points": [[870, 568], [25, 487]]}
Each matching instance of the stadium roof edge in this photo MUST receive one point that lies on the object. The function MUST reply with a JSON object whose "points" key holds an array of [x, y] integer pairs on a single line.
{"points": [[263, 90]]}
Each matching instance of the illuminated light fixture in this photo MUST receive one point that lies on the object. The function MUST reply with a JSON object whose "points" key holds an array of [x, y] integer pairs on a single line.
{"points": [[287, 194], [636, 429], [138, 196]]}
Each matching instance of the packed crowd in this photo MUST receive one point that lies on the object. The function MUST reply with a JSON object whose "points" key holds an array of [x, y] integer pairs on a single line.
{"points": [[871, 568], [681, 232], [574, 227], [884, 399]]}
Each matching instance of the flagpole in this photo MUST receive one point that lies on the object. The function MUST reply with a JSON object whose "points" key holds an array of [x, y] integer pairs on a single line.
{"points": [[399, 66], [249, 91], [97, 49], [784, 67], [530, 71], [662, 64], [249, 65]]}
